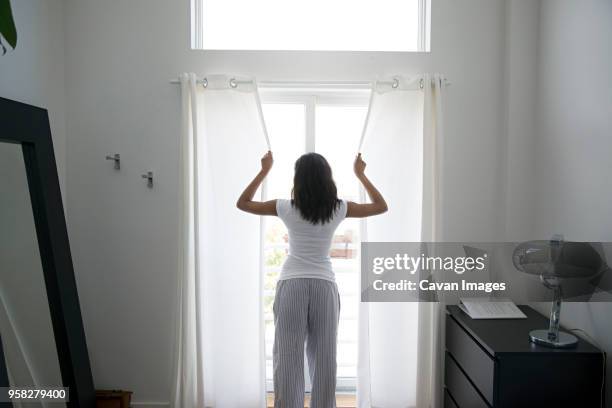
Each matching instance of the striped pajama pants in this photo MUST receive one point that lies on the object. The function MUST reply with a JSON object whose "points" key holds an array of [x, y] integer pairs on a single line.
{"points": [[306, 310]]}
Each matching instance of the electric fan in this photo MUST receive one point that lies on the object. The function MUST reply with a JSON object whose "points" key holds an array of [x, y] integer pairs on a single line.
{"points": [[556, 261]]}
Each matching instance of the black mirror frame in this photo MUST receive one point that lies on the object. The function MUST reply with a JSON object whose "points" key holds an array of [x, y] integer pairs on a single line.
{"points": [[29, 126]]}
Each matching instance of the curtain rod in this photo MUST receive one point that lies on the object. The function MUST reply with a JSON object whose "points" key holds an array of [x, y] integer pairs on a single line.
{"points": [[307, 84]]}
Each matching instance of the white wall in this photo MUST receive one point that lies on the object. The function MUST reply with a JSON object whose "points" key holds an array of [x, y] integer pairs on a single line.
{"points": [[119, 58], [575, 120], [574, 144], [522, 34], [34, 72]]}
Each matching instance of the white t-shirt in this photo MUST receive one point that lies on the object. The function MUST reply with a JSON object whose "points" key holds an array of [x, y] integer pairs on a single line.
{"points": [[309, 244]]}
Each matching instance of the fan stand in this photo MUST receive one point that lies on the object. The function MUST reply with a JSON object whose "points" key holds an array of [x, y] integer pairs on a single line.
{"points": [[553, 337]]}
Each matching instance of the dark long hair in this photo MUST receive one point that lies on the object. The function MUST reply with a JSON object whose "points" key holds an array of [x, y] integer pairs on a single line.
{"points": [[314, 192]]}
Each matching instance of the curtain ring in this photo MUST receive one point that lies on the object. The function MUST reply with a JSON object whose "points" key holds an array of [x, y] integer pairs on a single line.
{"points": [[395, 83], [422, 83], [233, 83], [205, 82]]}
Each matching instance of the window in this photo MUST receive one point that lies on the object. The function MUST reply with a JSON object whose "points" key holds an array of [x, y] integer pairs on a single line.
{"points": [[338, 25], [330, 123]]}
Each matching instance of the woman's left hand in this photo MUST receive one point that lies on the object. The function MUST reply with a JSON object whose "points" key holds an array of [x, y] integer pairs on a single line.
{"points": [[267, 161]]}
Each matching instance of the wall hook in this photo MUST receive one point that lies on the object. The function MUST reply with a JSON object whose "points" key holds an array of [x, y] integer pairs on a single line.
{"points": [[149, 176], [117, 159]]}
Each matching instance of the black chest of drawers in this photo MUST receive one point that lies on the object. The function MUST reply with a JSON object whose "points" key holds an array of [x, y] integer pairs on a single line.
{"points": [[492, 363]]}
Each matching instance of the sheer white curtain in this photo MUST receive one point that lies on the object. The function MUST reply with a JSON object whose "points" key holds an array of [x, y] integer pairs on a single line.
{"points": [[220, 345], [432, 315], [401, 145], [220, 360]]}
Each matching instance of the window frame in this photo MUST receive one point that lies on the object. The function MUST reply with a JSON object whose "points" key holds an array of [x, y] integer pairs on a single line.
{"points": [[423, 30], [311, 97]]}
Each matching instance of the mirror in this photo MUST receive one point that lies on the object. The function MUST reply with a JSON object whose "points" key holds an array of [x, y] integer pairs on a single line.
{"points": [[41, 328], [26, 330]]}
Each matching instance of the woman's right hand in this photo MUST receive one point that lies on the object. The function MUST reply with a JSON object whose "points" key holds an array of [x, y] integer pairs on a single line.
{"points": [[378, 204], [359, 166]]}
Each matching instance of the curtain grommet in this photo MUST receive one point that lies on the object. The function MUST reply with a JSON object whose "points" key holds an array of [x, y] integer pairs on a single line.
{"points": [[205, 82], [233, 83], [395, 83]]}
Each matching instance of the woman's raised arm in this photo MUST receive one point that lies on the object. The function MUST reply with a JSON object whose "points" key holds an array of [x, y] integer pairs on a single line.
{"points": [[378, 204], [245, 201]]}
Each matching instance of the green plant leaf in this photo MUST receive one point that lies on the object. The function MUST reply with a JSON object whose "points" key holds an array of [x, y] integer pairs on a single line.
{"points": [[7, 25]]}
